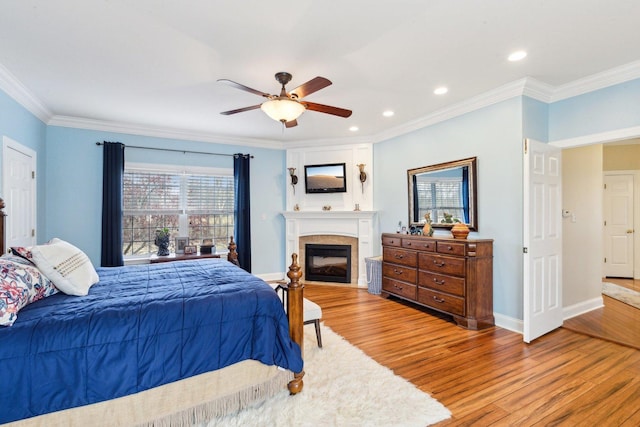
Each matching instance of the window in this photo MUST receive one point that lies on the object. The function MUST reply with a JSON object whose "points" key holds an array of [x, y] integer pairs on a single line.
{"points": [[197, 203]]}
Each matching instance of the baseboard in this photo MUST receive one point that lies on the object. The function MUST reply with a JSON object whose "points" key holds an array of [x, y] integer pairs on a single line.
{"points": [[582, 307], [510, 323]]}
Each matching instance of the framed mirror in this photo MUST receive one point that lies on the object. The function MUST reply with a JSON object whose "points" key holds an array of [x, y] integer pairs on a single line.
{"points": [[446, 191]]}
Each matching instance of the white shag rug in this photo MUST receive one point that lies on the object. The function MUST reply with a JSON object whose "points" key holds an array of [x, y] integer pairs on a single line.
{"points": [[342, 387], [627, 296]]}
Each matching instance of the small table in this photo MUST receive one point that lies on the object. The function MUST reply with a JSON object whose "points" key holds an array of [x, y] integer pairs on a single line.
{"points": [[180, 257]]}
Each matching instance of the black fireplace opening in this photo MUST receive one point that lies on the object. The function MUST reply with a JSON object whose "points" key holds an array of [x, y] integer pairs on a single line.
{"points": [[328, 263]]}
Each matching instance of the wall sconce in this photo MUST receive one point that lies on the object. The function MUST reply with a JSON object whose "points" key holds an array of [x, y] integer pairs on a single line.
{"points": [[294, 178], [363, 175]]}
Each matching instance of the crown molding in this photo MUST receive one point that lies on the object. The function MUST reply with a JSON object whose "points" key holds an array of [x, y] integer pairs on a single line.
{"points": [[494, 96], [528, 86], [23, 96], [155, 131], [614, 76]]}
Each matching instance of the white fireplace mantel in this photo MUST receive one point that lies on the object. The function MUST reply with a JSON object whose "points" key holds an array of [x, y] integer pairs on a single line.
{"points": [[359, 224]]}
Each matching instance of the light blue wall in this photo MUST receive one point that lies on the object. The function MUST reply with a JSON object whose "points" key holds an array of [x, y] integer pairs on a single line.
{"points": [[535, 122], [74, 187], [23, 127], [612, 108], [493, 135]]}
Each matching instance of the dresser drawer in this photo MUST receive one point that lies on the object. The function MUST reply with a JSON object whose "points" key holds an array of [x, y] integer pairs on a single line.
{"points": [[399, 272], [451, 248], [400, 256], [419, 244], [442, 283], [402, 289], [440, 301], [442, 264], [391, 241]]}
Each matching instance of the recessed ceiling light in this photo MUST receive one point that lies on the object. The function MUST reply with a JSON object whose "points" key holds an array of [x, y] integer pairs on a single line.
{"points": [[517, 55], [441, 90], [388, 113], [354, 129]]}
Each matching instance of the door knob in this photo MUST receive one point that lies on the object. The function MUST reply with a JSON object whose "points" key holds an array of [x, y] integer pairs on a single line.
{"points": [[629, 231]]}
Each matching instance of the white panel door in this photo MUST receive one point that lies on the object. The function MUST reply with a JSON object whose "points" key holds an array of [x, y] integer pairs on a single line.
{"points": [[618, 225], [18, 168], [542, 239]]}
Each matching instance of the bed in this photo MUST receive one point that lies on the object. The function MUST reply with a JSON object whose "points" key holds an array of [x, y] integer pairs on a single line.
{"points": [[157, 344]]}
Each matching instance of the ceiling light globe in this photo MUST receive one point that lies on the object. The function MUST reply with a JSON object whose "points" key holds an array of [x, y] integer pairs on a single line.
{"points": [[517, 56], [441, 90], [282, 110]]}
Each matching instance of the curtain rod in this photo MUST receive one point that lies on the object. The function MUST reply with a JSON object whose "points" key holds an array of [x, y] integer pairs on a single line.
{"points": [[179, 151]]}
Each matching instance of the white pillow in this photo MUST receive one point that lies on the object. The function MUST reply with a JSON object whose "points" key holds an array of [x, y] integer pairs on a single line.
{"points": [[66, 266]]}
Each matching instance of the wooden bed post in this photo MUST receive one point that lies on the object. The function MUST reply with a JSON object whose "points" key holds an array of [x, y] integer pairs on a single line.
{"points": [[232, 257], [295, 314]]}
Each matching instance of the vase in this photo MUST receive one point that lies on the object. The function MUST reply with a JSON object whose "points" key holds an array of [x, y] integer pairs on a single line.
{"points": [[460, 230], [162, 242]]}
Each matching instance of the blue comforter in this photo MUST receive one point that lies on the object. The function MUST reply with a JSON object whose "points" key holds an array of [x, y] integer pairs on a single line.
{"points": [[139, 327]]}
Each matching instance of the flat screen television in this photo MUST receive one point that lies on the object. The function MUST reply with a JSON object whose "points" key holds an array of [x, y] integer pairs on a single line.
{"points": [[327, 178]]}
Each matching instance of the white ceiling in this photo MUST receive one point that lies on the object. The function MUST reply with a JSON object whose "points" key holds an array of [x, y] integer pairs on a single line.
{"points": [[154, 64]]}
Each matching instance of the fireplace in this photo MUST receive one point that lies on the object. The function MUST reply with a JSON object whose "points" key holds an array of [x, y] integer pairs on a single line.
{"points": [[328, 263]]}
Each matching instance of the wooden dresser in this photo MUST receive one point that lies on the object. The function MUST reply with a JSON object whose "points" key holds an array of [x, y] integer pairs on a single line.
{"points": [[448, 275]]}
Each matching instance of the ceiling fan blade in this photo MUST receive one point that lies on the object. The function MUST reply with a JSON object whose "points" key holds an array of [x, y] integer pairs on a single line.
{"points": [[291, 123], [240, 110], [327, 109], [310, 87], [243, 87]]}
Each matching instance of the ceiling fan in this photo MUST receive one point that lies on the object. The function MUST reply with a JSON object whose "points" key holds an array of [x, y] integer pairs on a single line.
{"points": [[288, 106]]}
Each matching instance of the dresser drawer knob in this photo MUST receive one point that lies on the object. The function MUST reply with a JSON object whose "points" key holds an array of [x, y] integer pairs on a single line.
{"points": [[438, 263], [438, 282], [436, 299], [398, 287], [398, 256], [449, 248], [408, 243], [398, 272]]}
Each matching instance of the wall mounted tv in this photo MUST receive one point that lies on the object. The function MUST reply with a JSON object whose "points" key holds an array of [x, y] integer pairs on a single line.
{"points": [[328, 178]]}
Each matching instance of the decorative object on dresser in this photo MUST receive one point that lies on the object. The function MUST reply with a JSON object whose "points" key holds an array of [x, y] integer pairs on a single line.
{"points": [[460, 230], [451, 276]]}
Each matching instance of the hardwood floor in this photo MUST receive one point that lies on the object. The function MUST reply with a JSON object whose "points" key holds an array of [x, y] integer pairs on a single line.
{"points": [[490, 377], [616, 321]]}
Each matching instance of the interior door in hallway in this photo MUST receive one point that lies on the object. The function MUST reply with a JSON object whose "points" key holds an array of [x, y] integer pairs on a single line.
{"points": [[618, 225], [542, 293]]}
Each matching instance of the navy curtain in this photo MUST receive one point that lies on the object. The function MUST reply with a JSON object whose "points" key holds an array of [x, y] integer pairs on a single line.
{"points": [[465, 194], [242, 211], [112, 175]]}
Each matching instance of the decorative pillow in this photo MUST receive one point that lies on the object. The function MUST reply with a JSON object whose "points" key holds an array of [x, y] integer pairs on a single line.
{"points": [[23, 252], [20, 285], [17, 259], [66, 266]]}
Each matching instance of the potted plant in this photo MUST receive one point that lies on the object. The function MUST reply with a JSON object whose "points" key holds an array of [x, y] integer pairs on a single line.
{"points": [[162, 241]]}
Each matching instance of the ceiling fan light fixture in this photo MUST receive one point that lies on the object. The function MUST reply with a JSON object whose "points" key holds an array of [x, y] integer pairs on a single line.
{"points": [[282, 110]]}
